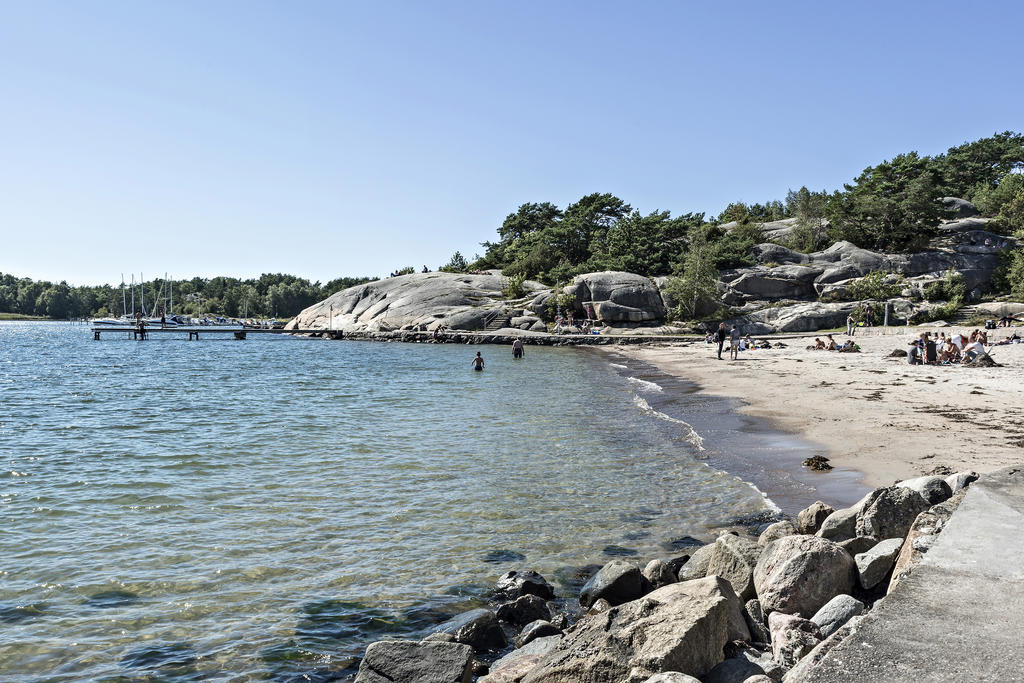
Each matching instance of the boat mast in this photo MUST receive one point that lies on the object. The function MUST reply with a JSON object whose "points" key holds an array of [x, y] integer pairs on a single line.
{"points": [[142, 292], [170, 288], [133, 295], [124, 300]]}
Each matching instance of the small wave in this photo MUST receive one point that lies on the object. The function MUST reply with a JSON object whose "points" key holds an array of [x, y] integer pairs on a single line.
{"points": [[645, 385], [692, 437], [618, 367]]}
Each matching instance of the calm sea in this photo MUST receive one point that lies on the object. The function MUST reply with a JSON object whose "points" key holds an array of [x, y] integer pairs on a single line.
{"points": [[262, 509]]}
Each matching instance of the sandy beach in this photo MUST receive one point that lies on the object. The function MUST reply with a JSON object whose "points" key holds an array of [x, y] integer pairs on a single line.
{"points": [[875, 414]]}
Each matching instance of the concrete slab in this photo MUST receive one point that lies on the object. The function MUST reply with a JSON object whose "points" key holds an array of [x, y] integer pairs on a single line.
{"points": [[960, 615]]}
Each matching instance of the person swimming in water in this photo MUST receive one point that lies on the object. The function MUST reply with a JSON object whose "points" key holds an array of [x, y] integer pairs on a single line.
{"points": [[517, 348], [478, 362]]}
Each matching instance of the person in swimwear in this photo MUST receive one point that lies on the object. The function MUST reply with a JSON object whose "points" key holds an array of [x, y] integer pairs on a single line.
{"points": [[478, 362], [517, 348]]}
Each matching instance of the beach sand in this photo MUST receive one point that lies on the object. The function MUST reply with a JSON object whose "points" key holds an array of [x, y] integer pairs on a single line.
{"points": [[874, 414]]}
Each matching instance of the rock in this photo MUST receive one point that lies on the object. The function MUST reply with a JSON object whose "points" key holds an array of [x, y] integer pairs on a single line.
{"points": [[890, 512], [534, 630], [774, 253], [804, 669], [757, 623], [734, 558], [799, 574], [516, 584], [841, 525], [667, 630], [617, 582], [837, 612], [759, 679], [600, 605], [860, 544], [524, 610], [875, 564], [732, 670], [809, 520], [803, 317], [514, 666], [659, 573], [672, 677], [776, 531], [477, 628], [620, 297], [933, 489], [960, 208], [818, 463], [960, 480], [408, 661], [922, 533], [792, 637], [711, 586], [697, 566]]}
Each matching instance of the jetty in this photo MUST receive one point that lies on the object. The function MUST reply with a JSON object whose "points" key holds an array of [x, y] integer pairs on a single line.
{"points": [[194, 331]]}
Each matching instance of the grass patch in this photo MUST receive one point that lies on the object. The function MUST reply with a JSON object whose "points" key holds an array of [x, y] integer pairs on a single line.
{"points": [[19, 316]]}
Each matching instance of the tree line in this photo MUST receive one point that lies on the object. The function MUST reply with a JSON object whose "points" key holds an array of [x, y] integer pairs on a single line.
{"points": [[893, 206], [271, 295]]}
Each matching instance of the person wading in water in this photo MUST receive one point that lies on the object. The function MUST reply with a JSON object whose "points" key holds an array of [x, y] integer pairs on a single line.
{"points": [[517, 348], [478, 362]]}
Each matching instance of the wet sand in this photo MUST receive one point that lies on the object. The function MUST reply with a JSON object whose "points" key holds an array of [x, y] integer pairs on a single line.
{"points": [[873, 414]]}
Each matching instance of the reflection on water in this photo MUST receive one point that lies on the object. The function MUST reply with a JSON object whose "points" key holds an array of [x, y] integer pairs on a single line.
{"points": [[264, 508]]}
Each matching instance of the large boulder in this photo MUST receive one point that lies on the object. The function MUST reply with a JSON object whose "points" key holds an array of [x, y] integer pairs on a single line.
{"points": [[889, 512], [774, 253], [961, 480], [776, 531], [757, 623], [959, 208], [534, 630], [516, 584], [875, 564], [711, 586], [620, 297], [523, 610], [802, 317], [409, 661], [617, 582], [670, 629], [477, 628], [697, 566], [799, 574], [809, 520], [841, 525], [932, 488], [734, 558], [514, 666], [659, 573], [416, 301], [837, 612]]}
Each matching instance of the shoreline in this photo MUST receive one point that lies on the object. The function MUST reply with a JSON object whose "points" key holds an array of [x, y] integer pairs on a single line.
{"points": [[873, 414]]}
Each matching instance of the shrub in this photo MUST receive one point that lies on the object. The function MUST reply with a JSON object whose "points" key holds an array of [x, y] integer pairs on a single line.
{"points": [[514, 286]]}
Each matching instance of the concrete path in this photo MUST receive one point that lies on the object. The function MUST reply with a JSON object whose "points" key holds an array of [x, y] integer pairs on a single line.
{"points": [[960, 615]]}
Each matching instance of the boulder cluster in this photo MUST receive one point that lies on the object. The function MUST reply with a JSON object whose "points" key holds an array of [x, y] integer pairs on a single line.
{"points": [[742, 609]]}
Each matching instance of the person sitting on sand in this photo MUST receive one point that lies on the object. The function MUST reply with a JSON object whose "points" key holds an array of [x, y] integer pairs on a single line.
{"points": [[818, 344], [831, 346], [914, 353], [948, 352], [973, 350], [478, 362]]}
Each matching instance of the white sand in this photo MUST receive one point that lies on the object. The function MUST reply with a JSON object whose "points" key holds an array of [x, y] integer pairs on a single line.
{"points": [[880, 416]]}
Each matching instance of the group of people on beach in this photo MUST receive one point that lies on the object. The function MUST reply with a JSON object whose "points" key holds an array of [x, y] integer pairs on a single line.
{"points": [[829, 344], [737, 341], [942, 350]]}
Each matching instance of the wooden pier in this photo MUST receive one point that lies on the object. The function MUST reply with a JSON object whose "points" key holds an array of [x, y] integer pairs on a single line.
{"points": [[193, 332]]}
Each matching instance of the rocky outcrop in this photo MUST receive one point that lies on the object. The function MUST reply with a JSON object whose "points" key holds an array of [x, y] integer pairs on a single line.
{"points": [[668, 630], [409, 661], [618, 297]]}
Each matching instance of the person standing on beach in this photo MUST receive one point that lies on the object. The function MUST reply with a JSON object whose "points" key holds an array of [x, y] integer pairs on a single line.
{"points": [[478, 362], [850, 329], [734, 343], [517, 348], [721, 335]]}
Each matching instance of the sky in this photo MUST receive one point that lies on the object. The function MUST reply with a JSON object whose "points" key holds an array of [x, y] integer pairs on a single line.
{"points": [[329, 139]]}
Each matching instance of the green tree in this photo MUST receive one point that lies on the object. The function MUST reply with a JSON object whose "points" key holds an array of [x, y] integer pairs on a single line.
{"points": [[808, 208], [972, 166], [457, 264], [695, 283]]}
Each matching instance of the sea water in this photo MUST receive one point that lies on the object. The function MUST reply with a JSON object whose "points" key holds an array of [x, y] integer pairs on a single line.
{"points": [[264, 508]]}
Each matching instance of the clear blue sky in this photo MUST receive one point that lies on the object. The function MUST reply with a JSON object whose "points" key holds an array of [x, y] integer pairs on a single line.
{"points": [[352, 138]]}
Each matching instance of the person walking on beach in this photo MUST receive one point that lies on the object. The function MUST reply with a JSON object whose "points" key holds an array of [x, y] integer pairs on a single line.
{"points": [[721, 335], [478, 362], [517, 348], [734, 343]]}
